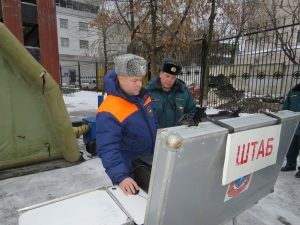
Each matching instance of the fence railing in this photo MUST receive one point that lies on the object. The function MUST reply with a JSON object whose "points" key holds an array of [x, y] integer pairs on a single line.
{"points": [[251, 72]]}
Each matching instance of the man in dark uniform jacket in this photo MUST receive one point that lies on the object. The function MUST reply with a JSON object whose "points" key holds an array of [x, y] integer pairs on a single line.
{"points": [[292, 102], [170, 96]]}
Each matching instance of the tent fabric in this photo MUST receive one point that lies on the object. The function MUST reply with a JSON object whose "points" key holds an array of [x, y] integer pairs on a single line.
{"points": [[34, 121]]}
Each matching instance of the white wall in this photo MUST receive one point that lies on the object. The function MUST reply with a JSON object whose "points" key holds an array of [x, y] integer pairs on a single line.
{"points": [[73, 33]]}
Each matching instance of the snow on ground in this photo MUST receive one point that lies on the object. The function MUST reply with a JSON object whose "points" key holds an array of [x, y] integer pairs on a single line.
{"points": [[211, 111], [81, 103], [280, 207], [81, 100]]}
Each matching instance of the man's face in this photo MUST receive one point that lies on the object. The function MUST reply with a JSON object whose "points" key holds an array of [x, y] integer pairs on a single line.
{"points": [[130, 85], [166, 80]]}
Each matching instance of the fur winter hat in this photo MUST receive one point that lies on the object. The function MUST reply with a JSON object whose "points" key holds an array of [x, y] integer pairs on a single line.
{"points": [[130, 65], [171, 67]]}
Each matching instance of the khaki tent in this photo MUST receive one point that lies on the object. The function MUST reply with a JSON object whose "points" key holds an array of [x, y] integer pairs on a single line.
{"points": [[34, 123]]}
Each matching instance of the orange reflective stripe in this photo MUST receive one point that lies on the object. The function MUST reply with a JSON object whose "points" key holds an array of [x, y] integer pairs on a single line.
{"points": [[147, 101], [118, 107]]}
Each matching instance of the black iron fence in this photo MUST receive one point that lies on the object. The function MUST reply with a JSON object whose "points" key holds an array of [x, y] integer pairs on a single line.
{"points": [[81, 74], [252, 71]]}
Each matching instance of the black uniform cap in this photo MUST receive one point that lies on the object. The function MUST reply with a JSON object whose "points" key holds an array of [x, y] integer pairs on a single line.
{"points": [[171, 66]]}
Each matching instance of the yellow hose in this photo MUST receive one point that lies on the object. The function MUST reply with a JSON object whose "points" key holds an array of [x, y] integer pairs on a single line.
{"points": [[81, 130]]}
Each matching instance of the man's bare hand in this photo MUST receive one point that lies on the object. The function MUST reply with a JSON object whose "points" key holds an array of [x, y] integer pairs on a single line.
{"points": [[129, 186]]}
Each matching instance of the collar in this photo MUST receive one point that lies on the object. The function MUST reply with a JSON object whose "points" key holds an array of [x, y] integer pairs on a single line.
{"points": [[296, 88]]}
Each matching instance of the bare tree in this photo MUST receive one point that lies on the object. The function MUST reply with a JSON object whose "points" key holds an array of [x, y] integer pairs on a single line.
{"points": [[102, 23], [279, 14], [237, 17], [291, 8], [157, 28], [108, 43], [209, 49]]}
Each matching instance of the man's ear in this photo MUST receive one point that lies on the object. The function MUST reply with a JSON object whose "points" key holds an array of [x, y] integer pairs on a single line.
{"points": [[160, 74]]}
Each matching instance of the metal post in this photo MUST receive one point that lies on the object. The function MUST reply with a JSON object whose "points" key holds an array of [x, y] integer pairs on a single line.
{"points": [[48, 37], [202, 66], [234, 220], [97, 78], [12, 17], [79, 76], [60, 75]]}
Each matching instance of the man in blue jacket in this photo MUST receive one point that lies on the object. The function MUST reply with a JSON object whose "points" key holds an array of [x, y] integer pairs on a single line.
{"points": [[125, 124], [171, 97], [292, 102]]}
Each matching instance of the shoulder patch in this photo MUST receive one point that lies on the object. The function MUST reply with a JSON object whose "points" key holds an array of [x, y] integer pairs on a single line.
{"points": [[149, 111]]}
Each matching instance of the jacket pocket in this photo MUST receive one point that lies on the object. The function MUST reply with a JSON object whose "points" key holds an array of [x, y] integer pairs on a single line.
{"points": [[180, 105]]}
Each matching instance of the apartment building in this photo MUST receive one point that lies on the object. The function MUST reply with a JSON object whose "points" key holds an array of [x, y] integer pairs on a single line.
{"points": [[77, 40], [81, 50]]}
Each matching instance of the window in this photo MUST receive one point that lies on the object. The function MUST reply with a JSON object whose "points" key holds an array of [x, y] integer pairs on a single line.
{"points": [[69, 4], [64, 42], [63, 23], [298, 37], [83, 44], [75, 5], [62, 3], [83, 26]]}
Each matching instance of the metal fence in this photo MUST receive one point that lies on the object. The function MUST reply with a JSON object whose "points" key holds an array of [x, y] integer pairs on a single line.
{"points": [[78, 73], [250, 72]]}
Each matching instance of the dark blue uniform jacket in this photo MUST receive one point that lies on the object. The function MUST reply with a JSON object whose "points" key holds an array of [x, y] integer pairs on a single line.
{"points": [[170, 106], [292, 102], [125, 129]]}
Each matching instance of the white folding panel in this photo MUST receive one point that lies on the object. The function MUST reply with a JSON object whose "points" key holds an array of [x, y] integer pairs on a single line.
{"points": [[87, 208]]}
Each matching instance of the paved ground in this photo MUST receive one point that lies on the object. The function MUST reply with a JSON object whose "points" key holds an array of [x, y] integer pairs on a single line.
{"points": [[280, 207], [23, 191]]}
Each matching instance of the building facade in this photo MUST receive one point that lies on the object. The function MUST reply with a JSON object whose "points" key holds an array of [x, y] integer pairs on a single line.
{"points": [[77, 41], [81, 50]]}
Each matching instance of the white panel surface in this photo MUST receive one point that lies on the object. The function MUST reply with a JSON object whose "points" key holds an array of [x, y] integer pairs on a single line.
{"points": [[92, 208], [135, 205]]}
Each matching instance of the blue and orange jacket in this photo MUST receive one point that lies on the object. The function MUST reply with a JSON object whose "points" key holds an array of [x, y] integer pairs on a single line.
{"points": [[125, 129]]}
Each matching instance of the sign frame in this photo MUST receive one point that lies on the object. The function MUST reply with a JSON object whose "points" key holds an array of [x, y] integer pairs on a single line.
{"points": [[249, 151]]}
